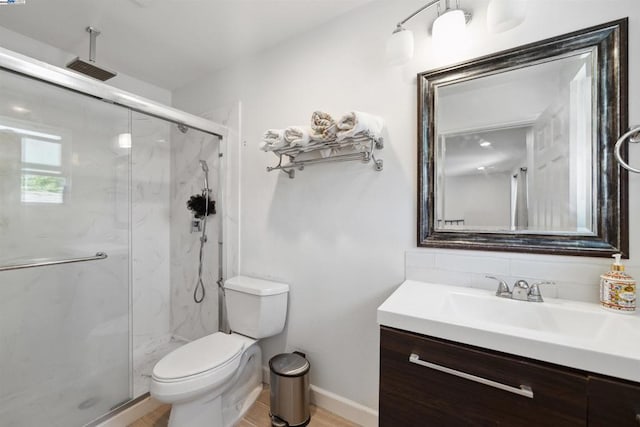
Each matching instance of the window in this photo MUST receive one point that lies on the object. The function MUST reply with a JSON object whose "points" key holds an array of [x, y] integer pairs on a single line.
{"points": [[42, 180]]}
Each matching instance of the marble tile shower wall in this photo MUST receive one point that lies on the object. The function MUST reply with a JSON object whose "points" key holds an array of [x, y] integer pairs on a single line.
{"points": [[188, 319], [150, 236], [576, 278]]}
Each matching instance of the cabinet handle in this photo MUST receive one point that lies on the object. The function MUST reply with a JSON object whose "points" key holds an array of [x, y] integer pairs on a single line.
{"points": [[523, 390]]}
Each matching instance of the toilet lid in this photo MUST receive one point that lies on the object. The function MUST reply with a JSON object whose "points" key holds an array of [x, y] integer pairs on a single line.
{"points": [[198, 356]]}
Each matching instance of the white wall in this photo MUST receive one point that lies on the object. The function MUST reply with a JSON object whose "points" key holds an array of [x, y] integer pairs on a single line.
{"points": [[338, 233], [481, 200]]}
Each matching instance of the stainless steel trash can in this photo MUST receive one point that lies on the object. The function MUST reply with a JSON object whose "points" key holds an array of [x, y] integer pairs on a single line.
{"points": [[290, 390]]}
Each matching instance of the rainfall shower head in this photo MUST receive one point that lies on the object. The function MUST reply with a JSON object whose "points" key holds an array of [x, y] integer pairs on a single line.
{"points": [[90, 68], [205, 167]]}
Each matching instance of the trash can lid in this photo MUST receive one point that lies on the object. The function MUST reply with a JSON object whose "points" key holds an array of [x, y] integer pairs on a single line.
{"points": [[289, 364]]}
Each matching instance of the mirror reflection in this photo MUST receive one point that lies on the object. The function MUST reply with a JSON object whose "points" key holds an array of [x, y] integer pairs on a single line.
{"points": [[514, 149]]}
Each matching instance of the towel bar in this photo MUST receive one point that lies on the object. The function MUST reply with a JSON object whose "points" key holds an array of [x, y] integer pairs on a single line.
{"points": [[634, 136], [97, 256]]}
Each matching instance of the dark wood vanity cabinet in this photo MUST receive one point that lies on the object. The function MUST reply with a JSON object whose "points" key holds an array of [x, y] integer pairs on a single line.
{"points": [[613, 403], [449, 384]]}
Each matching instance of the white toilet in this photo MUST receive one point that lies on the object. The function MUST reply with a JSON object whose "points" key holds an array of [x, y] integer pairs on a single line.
{"points": [[212, 382]]}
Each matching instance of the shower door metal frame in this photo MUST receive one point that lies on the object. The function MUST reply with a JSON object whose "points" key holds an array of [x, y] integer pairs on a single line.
{"points": [[29, 67]]}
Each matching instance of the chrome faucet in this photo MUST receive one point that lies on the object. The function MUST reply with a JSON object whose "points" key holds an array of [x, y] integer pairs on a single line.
{"points": [[522, 291]]}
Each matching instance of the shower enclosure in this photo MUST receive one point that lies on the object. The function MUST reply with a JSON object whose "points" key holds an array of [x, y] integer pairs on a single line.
{"points": [[97, 262]]}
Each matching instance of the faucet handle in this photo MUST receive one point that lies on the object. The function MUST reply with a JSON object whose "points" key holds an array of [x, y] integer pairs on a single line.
{"points": [[534, 291], [503, 288]]}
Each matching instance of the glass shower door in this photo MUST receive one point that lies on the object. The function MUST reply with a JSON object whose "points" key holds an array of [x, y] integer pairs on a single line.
{"points": [[64, 194]]}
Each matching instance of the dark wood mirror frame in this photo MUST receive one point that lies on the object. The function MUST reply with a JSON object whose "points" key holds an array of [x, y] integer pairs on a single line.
{"points": [[611, 44]]}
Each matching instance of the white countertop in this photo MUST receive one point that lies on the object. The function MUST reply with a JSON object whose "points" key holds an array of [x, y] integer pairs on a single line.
{"points": [[569, 333]]}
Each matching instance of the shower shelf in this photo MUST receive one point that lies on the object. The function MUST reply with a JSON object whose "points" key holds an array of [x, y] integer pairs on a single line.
{"points": [[360, 148]]}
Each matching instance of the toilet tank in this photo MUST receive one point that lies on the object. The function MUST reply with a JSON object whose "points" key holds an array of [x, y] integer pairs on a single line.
{"points": [[256, 308]]}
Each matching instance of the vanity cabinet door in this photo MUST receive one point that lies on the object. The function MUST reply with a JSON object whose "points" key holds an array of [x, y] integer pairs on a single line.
{"points": [[613, 403], [412, 394]]}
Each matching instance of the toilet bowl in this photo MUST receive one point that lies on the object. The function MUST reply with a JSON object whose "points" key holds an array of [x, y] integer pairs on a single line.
{"points": [[214, 380]]}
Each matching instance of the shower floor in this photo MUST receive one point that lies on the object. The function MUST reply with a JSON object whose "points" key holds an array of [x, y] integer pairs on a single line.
{"points": [[57, 404], [145, 359], [71, 400]]}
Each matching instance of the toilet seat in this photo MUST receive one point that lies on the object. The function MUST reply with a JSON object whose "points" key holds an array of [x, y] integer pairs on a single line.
{"points": [[198, 357], [196, 367]]}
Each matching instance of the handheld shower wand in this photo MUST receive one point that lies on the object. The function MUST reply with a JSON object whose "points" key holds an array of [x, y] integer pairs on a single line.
{"points": [[205, 169], [203, 238]]}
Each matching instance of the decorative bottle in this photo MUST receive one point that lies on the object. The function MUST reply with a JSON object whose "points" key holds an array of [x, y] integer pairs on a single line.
{"points": [[618, 289]]}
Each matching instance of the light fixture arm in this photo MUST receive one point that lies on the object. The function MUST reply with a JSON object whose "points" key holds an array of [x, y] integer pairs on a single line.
{"points": [[426, 6]]}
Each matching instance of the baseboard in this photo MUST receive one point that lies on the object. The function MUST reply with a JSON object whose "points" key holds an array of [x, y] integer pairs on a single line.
{"points": [[352, 411], [130, 413], [348, 409]]}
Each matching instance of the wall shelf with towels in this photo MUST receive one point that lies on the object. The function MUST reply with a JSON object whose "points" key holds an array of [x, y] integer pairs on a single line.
{"points": [[358, 148]]}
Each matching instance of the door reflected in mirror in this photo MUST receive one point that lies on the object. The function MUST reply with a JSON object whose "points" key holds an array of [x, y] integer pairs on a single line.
{"points": [[515, 150]]}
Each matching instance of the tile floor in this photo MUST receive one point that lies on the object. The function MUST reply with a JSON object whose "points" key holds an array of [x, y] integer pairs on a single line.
{"points": [[257, 416]]}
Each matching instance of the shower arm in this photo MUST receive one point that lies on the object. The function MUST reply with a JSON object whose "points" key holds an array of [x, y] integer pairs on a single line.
{"points": [[93, 34]]}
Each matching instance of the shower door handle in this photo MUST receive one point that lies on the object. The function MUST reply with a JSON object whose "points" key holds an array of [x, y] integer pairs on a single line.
{"points": [[97, 256]]}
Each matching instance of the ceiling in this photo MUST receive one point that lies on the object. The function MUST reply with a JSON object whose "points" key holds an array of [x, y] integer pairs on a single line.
{"points": [[169, 42], [507, 150]]}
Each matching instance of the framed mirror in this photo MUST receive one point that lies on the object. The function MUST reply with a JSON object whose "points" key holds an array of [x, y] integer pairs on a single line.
{"points": [[516, 148]]}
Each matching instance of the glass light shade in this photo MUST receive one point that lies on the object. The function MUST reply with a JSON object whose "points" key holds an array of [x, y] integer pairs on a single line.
{"points": [[449, 28], [503, 15], [400, 47]]}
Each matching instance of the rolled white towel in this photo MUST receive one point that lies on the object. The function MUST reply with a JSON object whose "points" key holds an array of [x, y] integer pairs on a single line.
{"points": [[323, 125], [357, 122], [273, 139], [299, 136]]}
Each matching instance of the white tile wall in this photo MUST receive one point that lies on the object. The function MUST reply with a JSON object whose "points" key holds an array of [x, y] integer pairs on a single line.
{"points": [[576, 278]]}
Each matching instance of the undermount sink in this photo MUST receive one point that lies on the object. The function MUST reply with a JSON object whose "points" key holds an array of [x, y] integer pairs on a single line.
{"points": [[550, 317], [569, 333]]}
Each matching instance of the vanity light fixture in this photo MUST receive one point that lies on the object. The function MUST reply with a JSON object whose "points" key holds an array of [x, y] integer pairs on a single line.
{"points": [[450, 23], [502, 15], [485, 144]]}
